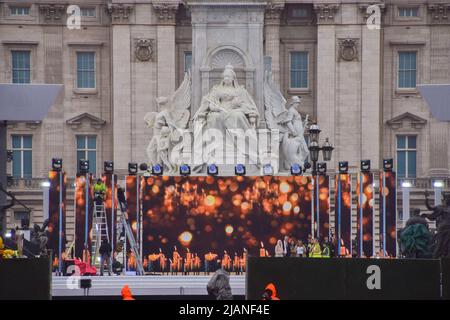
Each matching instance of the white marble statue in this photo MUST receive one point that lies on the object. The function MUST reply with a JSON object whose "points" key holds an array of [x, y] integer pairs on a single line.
{"points": [[228, 105], [173, 116], [230, 110], [289, 123]]}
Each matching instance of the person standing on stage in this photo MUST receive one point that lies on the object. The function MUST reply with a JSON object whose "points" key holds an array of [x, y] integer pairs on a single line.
{"points": [[279, 249], [286, 249], [105, 256]]}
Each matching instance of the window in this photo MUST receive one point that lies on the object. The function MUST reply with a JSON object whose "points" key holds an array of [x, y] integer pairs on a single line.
{"points": [[407, 69], [87, 150], [408, 12], [187, 61], [20, 66], [19, 11], [406, 156], [299, 13], [86, 70], [299, 69], [88, 12], [22, 156], [21, 215]]}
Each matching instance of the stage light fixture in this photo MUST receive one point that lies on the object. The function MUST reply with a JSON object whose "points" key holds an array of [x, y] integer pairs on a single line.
{"points": [[388, 165], [322, 168], [306, 166], [108, 166], [45, 184], [157, 169], [185, 170], [365, 165], [212, 170], [296, 169], [343, 166], [267, 169], [143, 167], [132, 168], [239, 170], [83, 166], [438, 184], [57, 164]]}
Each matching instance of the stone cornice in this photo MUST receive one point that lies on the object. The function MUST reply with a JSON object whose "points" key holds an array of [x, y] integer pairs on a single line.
{"points": [[119, 12], [95, 122], [166, 12]]}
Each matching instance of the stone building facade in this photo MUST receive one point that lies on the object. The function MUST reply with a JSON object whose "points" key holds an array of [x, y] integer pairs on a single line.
{"points": [[357, 81]]}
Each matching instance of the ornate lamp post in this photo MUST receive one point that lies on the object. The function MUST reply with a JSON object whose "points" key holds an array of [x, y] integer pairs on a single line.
{"points": [[314, 148]]}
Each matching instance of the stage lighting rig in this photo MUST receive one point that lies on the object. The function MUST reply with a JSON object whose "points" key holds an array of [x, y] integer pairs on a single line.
{"points": [[83, 166], [57, 164], [388, 165], [296, 169], [267, 169], [157, 170], [185, 170], [239, 170], [132, 168], [322, 168], [212, 170], [108, 166], [365, 165], [343, 167]]}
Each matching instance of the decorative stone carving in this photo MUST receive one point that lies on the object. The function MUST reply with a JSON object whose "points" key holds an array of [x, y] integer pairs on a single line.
{"points": [[52, 11], [167, 126], [439, 12], [326, 12], [166, 12], [145, 49], [227, 56], [273, 13], [288, 122], [348, 49], [119, 12]]}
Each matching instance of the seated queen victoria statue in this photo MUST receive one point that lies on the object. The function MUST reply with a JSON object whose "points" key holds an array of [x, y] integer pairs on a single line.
{"points": [[227, 106]]}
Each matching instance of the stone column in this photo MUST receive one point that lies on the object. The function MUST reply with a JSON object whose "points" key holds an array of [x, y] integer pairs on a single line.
{"points": [[438, 130], [121, 75], [326, 75], [165, 42], [272, 37], [370, 96]]}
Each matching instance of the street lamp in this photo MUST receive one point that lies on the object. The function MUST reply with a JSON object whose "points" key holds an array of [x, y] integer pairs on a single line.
{"points": [[314, 148]]}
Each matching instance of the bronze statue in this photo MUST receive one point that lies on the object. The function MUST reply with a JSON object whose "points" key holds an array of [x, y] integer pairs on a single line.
{"points": [[440, 214]]}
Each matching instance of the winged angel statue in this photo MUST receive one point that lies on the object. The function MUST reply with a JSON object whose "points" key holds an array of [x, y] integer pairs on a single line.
{"points": [[168, 125], [288, 121]]}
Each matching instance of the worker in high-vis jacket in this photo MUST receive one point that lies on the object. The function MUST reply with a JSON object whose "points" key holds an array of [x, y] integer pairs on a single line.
{"points": [[316, 251], [99, 192]]}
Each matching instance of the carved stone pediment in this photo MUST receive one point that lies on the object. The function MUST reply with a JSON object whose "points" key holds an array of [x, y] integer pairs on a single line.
{"points": [[399, 121], [95, 122]]}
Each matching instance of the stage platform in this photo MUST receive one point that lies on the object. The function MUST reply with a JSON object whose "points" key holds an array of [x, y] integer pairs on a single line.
{"points": [[142, 285]]}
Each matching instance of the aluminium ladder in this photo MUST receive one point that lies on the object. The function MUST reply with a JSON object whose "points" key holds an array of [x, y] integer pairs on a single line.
{"points": [[100, 232], [133, 246]]}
